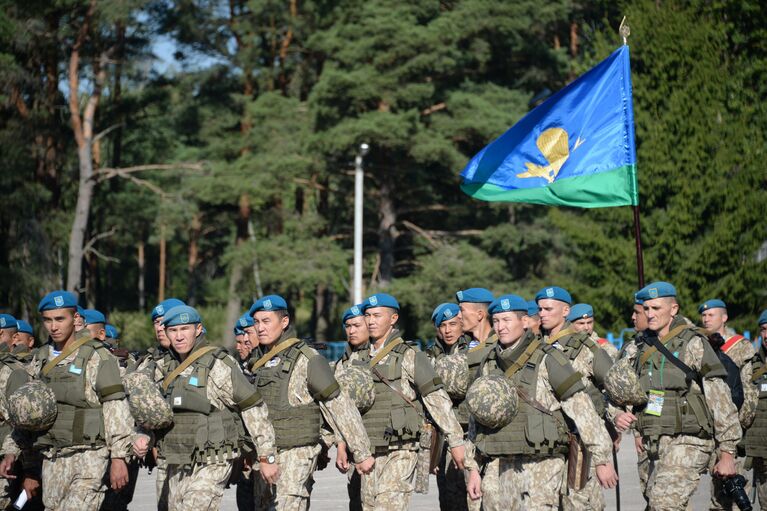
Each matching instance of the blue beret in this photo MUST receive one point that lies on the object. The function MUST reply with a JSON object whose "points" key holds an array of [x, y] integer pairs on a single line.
{"points": [[638, 300], [580, 311], [532, 308], [164, 306], [656, 290], [474, 295], [443, 312], [57, 300], [24, 327], [92, 316], [7, 321], [554, 293], [245, 321], [763, 317], [380, 300], [508, 303], [711, 304], [238, 331], [352, 312], [269, 303], [181, 315], [112, 331]]}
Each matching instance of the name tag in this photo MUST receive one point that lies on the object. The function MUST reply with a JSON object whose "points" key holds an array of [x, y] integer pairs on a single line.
{"points": [[177, 401], [764, 387], [193, 381], [273, 362], [75, 370], [655, 403], [473, 344]]}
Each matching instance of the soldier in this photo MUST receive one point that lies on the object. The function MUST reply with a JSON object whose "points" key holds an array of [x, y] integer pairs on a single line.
{"points": [[533, 318], [95, 322], [23, 341], [243, 472], [713, 317], [356, 331], [754, 438], [209, 395], [7, 331], [582, 318], [299, 389], [450, 343], [532, 459], [639, 320], [93, 421], [689, 411], [401, 376], [242, 340], [592, 363]]}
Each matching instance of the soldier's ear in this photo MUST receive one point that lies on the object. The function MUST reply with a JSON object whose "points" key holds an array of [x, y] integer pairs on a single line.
{"points": [[394, 318], [566, 310], [285, 321], [197, 329]]}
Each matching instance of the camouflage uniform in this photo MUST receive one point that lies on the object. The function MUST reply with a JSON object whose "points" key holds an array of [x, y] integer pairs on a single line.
{"points": [[740, 351], [680, 453], [8, 365], [391, 484], [605, 345], [586, 357], [753, 439], [305, 375], [73, 473], [197, 481], [526, 480]]}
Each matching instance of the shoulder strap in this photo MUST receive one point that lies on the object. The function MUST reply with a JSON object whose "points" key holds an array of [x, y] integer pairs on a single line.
{"points": [[64, 354], [652, 349], [731, 342], [758, 373], [385, 351], [562, 333], [273, 353], [520, 362], [186, 363], [690, 374]]}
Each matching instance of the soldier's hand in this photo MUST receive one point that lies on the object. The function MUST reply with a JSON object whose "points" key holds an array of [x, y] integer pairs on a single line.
{"points": [[606, 475], [31, 485], [725, 467], [459, 456], [6, 465], [141, 446], [638, 444], [624, 421], [342, 458], [118, 474], [366, 466], [474, 488], [270, 472]]}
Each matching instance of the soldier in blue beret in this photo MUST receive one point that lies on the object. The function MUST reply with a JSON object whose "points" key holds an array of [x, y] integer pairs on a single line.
{"points": [[476, 320], [582, 318], [299, 387], [95, 322], [113, 334], [448, 323], [679, 450], [23, 341], [242, 342], [533, 319], [754, 436], [7, 331]]}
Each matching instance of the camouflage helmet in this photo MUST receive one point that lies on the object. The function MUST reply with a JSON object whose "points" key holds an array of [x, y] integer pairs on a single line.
{"points": [[454, 371], [622, 384], [147, 406], [32, 407], [492, 400], [357, 382]]}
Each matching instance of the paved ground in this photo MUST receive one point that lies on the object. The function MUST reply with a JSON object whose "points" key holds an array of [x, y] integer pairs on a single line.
{"points": [[330, 489]]}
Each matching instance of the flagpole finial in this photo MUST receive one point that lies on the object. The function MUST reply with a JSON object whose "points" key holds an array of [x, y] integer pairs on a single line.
{"points": [[624, 30]]}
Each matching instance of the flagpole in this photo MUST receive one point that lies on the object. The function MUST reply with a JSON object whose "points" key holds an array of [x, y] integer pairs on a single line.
{"points": [[638, 239]]}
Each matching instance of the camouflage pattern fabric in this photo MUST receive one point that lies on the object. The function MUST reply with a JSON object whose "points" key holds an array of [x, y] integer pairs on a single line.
{"points": [[454, 371], [492, 400], [146, 403], [590, 497], [451, 484], [293, 488], [389, 486], [75, 481], [525, 483], [675, 469], [161, 485], [357, 382], [760, 481], [492, 497], [32, 407], [119, 500], [622, 384], [197, 487]]}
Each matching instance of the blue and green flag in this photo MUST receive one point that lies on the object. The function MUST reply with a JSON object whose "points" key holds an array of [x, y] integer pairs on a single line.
{"points": [[575, 149]]}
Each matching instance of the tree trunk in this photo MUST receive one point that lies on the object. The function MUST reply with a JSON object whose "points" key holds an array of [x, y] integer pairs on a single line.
{"points": [[234, 303], [387, 234], [141, 259], [193, 260], [80, 223], [161, 284]]}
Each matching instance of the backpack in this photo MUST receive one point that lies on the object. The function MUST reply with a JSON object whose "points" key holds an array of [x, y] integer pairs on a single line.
{"points": [[733, 379]]}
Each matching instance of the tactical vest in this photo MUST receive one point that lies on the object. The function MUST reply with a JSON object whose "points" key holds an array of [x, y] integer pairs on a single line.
{"points": [[78, 422], [201, 433], [572, 345], [684, 411], [531, 432], [294, 426], [437, 351], [391, 420], [754, 437]]}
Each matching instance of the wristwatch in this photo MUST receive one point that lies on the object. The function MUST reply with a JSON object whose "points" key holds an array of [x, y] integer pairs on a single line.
{"points": [[267, 459]]}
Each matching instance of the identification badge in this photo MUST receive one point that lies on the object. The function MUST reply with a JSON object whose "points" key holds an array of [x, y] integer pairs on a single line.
{"points": [[473, 344], [75, 370], [177, 401], [655, 403], [193, 381], [273, 362], [764, 387]]}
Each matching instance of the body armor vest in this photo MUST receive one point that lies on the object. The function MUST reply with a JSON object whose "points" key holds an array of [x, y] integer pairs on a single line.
{"points": [[531, 432], [572, 345], [754, 437], [684, 410], [294, 426], [77, 422], [391, 420], [437, 351]]}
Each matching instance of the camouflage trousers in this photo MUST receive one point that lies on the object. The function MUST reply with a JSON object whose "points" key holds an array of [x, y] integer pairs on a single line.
{"points": [[524, 482], [390, 485], [676, 464], [590, 497], [760, 481], [354, 488], [75, 481], [643, 469], [197, 487], [451, 484], [6, 497], [294, 487]]}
